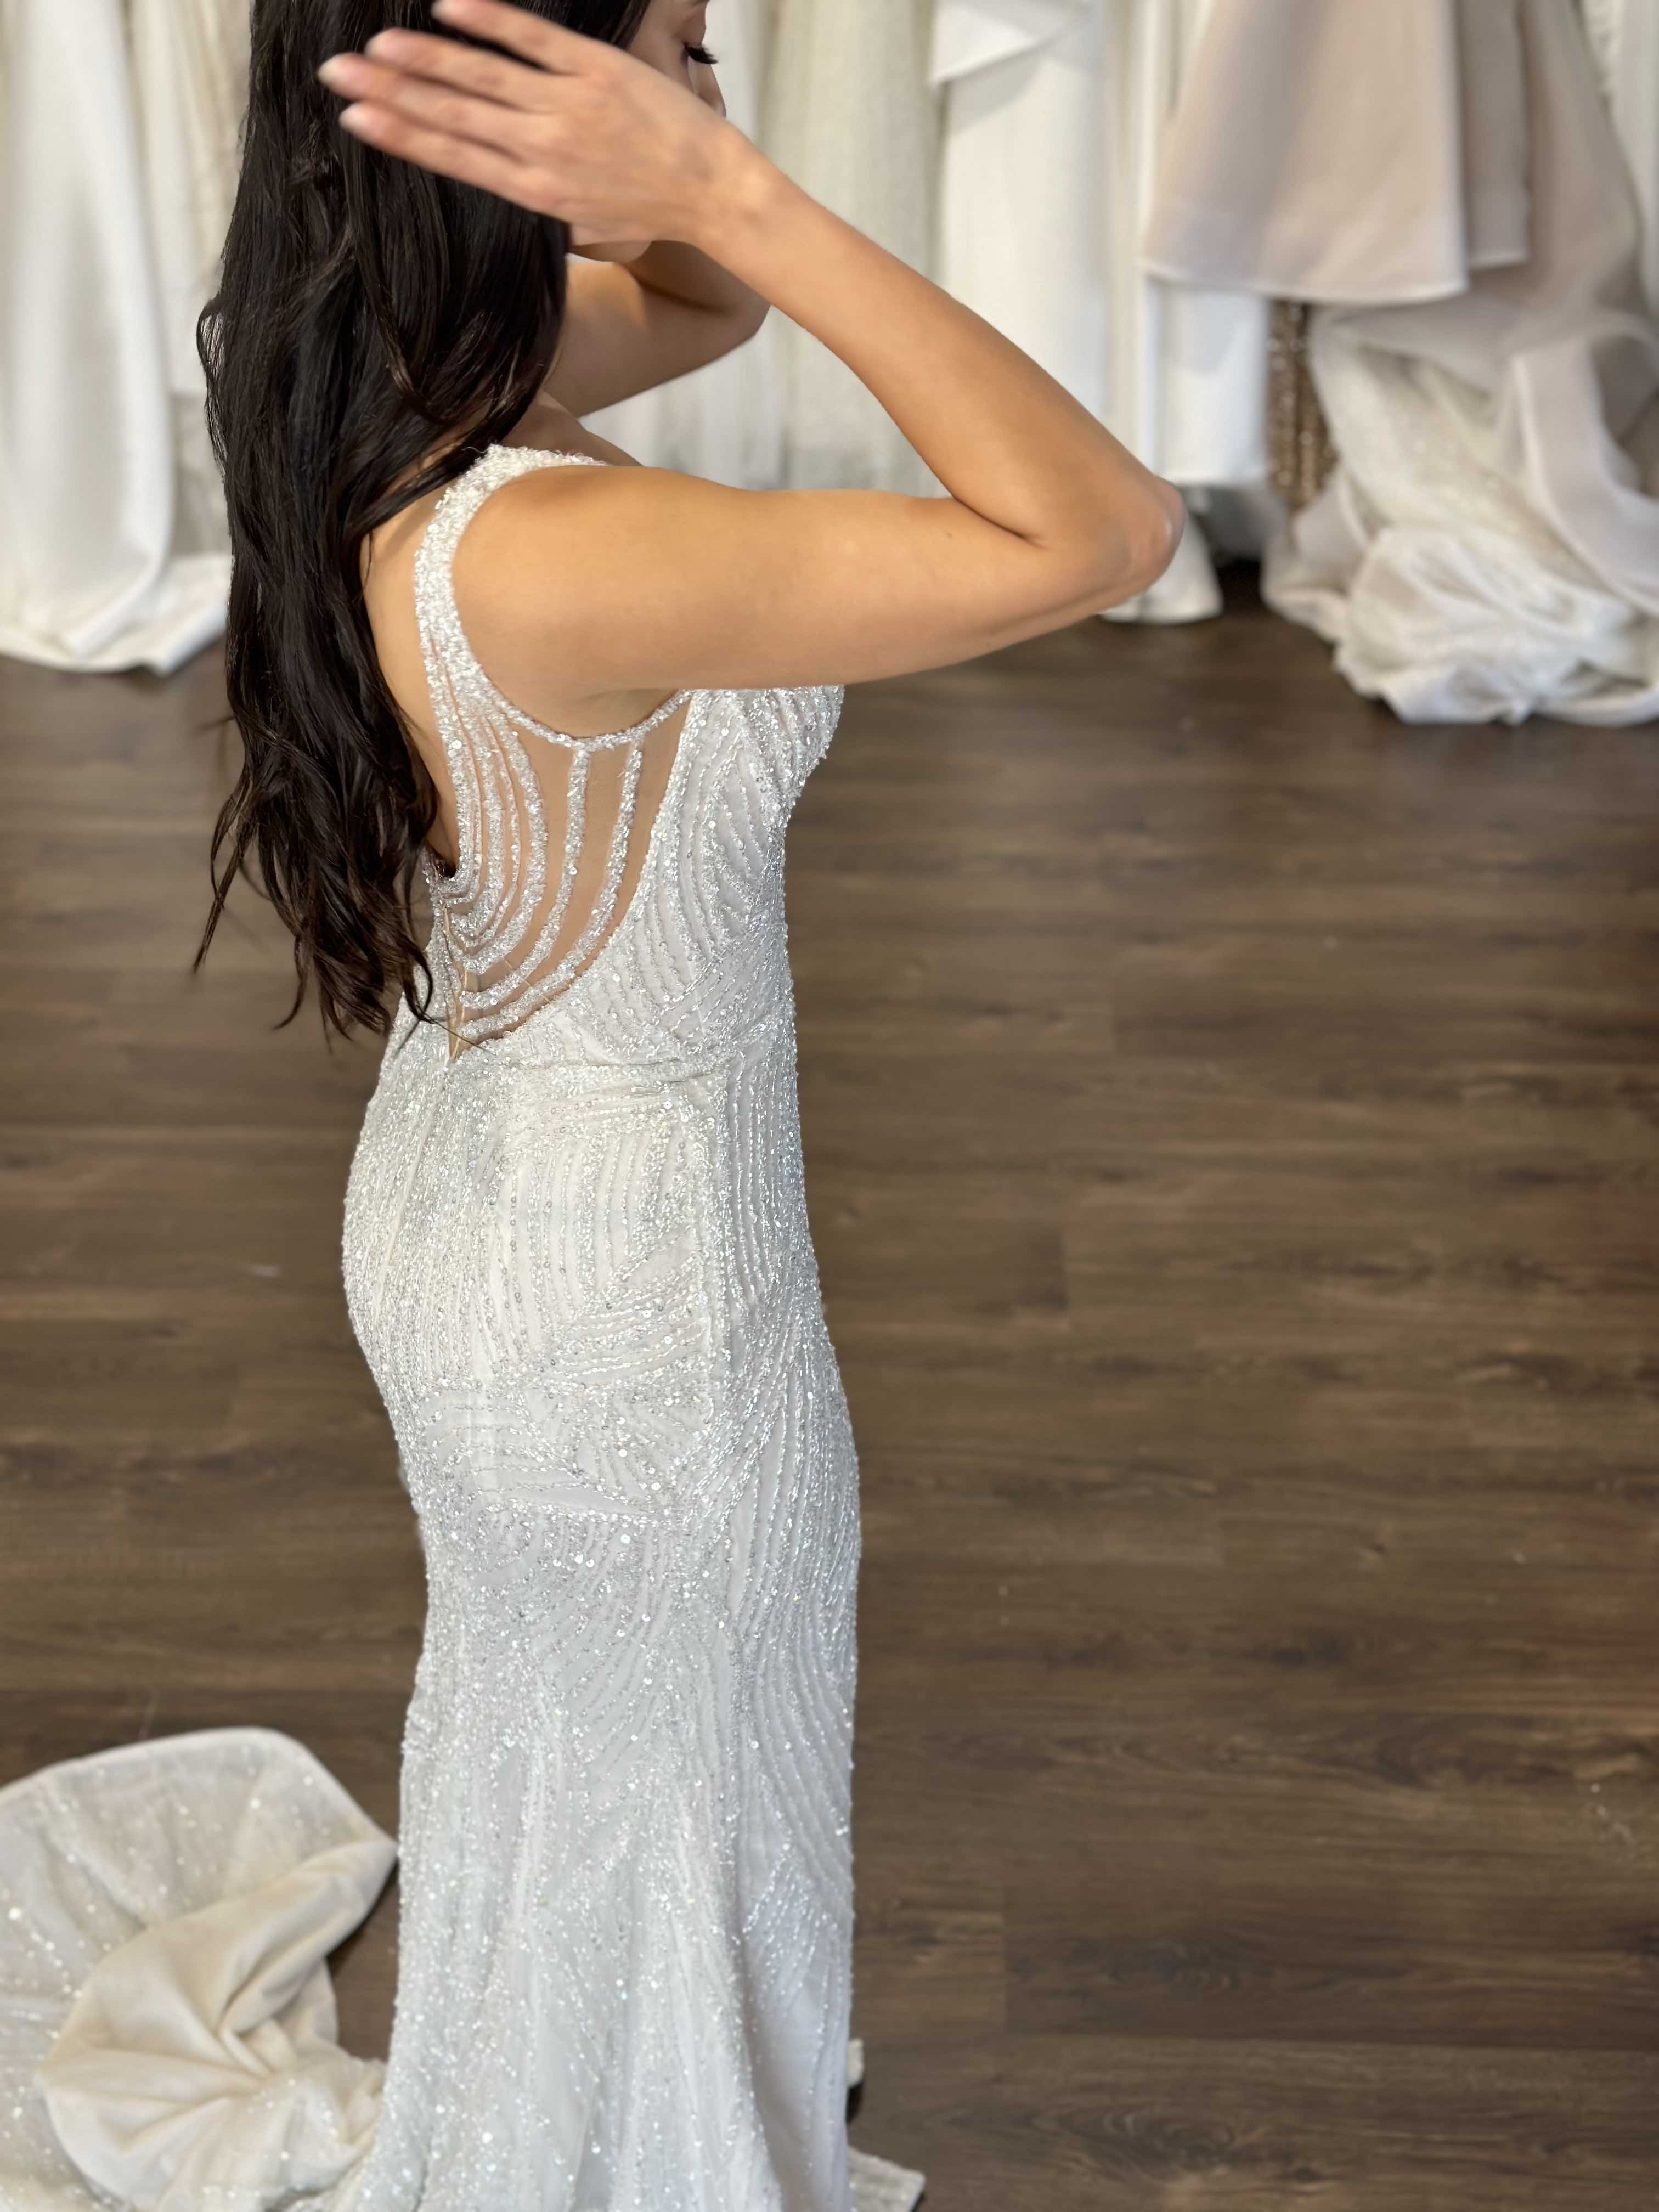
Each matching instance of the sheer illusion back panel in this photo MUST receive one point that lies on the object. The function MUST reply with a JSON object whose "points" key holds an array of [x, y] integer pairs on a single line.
{"points": [[552, 829]]}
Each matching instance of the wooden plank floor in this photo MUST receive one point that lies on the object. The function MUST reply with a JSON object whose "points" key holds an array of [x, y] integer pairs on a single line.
{"points": [[1233, 1143]]}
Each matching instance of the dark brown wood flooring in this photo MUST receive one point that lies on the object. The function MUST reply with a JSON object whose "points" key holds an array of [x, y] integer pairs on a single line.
{"points": [[1233, 1122]]}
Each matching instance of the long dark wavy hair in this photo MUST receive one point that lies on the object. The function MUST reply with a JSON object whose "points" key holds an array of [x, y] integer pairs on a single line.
{"points": [[368, 314]]}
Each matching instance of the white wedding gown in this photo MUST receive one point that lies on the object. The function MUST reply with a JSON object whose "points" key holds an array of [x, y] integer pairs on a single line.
{"points": [[1054, 116], [579, 1262]]}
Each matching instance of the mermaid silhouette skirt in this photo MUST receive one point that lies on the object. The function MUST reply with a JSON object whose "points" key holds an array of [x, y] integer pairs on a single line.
{"points": [[578, 1261]]}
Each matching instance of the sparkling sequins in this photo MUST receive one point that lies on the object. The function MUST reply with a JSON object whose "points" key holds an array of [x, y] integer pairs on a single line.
{"points": [[578, 1259], [498, 898]]}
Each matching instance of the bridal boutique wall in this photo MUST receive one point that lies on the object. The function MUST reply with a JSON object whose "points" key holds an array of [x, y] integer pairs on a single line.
{"points": [[1623, 37], [1010, 148], [726, 422], [121, 119]]}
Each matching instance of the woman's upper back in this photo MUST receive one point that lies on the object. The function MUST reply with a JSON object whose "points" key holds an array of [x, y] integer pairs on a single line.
{"points": [[551, 836], [537, 677]]}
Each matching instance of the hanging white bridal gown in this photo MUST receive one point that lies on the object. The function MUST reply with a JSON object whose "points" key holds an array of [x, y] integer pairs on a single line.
{"points": [[1054, 117], [579, 1262], [190, 60]]}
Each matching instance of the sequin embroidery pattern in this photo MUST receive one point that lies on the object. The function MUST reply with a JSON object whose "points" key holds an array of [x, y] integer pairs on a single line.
{"points": [[578, 1261]]}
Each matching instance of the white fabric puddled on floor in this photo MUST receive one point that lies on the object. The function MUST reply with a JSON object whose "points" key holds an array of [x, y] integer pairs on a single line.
{"points": [[112, 547], [167, 2018], [169, 2033]]}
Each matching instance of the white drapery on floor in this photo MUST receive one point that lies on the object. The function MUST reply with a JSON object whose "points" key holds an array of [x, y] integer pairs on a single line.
{"points": [[112, 550], [175, 2058], [1055, 114], [169, 2033], [1489, 546]]}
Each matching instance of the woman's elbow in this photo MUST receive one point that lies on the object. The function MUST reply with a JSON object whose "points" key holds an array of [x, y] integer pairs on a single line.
{"points": [[1145, 538], [745, 323], [1153, 539]]}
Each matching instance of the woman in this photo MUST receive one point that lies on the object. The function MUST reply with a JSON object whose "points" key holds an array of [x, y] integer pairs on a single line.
{"points": [[580, 696]]}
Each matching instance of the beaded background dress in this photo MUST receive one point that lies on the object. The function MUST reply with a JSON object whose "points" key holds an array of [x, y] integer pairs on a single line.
{"points": [[578, 1263]]}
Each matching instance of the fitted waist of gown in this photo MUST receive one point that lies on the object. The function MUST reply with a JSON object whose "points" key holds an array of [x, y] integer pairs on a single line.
{"points": [[568, 1065], [515, 1212]]}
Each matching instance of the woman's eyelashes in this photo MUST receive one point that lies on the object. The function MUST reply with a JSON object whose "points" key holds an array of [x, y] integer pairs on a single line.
{"points": [[701, 54]]}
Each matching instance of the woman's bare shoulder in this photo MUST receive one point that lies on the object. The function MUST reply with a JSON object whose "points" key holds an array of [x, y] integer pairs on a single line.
{"points": [[534, 525]]}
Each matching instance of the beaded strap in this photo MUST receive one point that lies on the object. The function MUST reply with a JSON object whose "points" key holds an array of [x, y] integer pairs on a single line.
{"points": [[489, 905]]}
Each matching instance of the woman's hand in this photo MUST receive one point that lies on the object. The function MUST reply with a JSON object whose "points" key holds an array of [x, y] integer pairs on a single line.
{"points": [[569, 126], [704, 85]]}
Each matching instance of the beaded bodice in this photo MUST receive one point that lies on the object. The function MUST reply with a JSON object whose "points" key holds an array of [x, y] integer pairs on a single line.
{"points": [[525, 909], [578, 1261]]}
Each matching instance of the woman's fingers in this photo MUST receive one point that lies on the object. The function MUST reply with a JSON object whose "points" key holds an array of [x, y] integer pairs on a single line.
{"points": [[456, 113], [586, 132], [426, 99], [463, 159], [469, 69]]}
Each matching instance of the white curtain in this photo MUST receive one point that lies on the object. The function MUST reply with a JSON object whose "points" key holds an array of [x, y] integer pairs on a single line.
{"points": [[190, 72], [1055, 114], [116, 178], [111, 543], [1120, 184]]}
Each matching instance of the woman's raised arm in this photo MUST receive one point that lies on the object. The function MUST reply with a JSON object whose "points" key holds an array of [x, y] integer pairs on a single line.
{"points": [[1048, 517]]}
